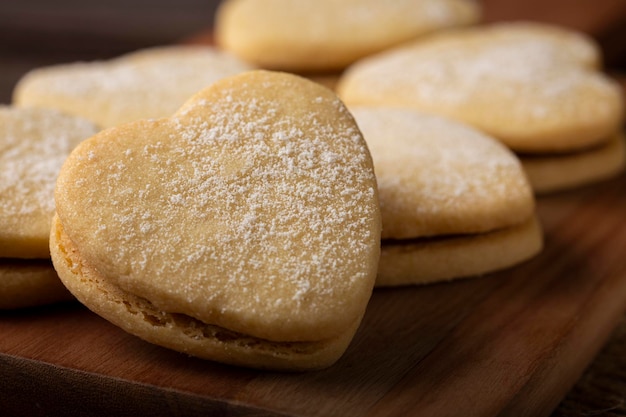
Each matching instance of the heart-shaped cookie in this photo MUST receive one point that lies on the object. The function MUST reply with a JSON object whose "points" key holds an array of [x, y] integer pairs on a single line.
{"points": [[245, 228], [532, 87], [455, 203]]}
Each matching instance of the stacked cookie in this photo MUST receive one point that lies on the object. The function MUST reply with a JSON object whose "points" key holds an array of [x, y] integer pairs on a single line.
{"points": [[244, 228], [534, 87], [33, 145], [454, 202]]}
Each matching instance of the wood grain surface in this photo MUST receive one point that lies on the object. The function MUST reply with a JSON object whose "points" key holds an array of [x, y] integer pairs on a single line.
{"points": [[510, 343]]}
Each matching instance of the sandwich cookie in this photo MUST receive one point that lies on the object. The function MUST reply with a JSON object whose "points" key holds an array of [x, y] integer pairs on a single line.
{"points": [[33, 145], [454, 202], [245, 228]]}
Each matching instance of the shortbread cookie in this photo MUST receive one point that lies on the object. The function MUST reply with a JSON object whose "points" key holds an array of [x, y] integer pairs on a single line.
{"points": [[244, 229], [33, 145], [532, 92], [29, 283], [447, 193], [149, 83], [550, 173], [323, 35]]}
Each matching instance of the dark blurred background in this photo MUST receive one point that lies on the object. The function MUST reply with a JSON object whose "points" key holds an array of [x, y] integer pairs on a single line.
{"points": [[42, 32]]}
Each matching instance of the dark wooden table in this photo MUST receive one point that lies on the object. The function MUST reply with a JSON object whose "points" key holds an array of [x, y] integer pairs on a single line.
{"points": [[39, 32]]}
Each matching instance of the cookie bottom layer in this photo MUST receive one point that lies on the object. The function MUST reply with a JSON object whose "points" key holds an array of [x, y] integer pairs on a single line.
{"points": [[423, 261], [138, 316], [566, 171], [29, 283]]}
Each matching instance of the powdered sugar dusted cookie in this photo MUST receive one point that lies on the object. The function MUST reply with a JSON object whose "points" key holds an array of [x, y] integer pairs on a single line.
{"points": [[245, 228], [454, 201], [149, 83], [33, 145], [530, 87], [315, 35]]}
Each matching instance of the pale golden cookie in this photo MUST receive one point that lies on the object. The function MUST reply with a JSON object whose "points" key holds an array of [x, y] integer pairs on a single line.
{"points": [[149, 83], [314, 35], [531, 92], [33, 145], [29, 283], [252, 211], [440, 177], [454, 201], [550, 173]]}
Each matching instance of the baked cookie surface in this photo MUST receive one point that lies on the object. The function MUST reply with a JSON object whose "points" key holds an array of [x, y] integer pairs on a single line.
{"points": [[253, 208], [323, 35], [148, 83], [529, 88], [455, 202], [439, 177], [33, 145]]}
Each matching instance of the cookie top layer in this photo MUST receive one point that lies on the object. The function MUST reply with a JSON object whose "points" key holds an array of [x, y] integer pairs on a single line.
{"points": [[319, 35], [33, 145], [530, 86], [254, 208], [439, 177], [149, 83]]}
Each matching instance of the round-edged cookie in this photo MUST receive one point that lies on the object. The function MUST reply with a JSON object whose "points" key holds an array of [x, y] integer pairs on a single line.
{"points": [[446, 190], [33, 145], [252, 211], [551, 173], [531, 92], [30, 283], [325, 35], [148, 83]]}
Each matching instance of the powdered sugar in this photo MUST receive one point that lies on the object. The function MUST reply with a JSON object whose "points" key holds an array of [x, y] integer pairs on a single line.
{"points": [[535, 88], [454, 75], [438, 177]]}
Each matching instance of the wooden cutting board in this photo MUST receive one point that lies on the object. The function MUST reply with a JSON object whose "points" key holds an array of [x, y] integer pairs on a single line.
{"points": [[510, 343]]}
